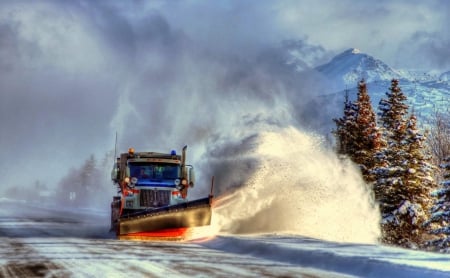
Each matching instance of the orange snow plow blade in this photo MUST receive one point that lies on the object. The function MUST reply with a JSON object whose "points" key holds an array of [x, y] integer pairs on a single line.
{"points": [[175, 222]]}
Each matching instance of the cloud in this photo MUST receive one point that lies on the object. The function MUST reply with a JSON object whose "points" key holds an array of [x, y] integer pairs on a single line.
{"points": [[57, 90], [169, 73], [430, 48], [383, 28]]}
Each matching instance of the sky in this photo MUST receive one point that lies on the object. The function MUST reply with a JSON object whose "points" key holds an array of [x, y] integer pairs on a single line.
{"points": [[163, 74]]}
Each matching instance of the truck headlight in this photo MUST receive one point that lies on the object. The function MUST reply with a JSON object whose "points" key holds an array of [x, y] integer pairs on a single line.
{"points": [[177, 182]]}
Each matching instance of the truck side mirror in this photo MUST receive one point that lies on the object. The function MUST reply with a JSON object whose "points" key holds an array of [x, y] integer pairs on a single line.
{"points": [[115, 173], [191, 177]]}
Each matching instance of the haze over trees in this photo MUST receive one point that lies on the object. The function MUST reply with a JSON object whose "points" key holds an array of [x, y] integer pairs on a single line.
{"points": [[87, 185]]}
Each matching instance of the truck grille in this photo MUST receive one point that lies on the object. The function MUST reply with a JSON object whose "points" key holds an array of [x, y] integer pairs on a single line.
{"points": [[154, 198]]}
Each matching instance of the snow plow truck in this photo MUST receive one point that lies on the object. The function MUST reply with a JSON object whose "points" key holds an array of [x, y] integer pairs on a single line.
{"points": [[152, 200]]}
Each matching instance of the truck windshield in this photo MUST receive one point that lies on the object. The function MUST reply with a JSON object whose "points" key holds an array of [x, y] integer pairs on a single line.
{"points": [[154, 170]]}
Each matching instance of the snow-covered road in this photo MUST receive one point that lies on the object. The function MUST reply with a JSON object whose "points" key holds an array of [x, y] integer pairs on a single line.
{"points": [[60, 243]]}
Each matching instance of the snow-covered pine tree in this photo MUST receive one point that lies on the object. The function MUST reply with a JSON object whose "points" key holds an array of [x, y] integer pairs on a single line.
{"points": [[357, 133], [403, 173], [393, 110], [439, 222], [419, 183], [388, 174], [368, 137], [345, 127]]}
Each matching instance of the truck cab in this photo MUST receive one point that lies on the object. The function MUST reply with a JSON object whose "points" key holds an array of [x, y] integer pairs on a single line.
{"points": [[148, 180]]}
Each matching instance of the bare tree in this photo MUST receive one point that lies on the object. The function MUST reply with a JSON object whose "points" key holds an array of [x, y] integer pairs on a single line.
{"points": [[439, 137]]}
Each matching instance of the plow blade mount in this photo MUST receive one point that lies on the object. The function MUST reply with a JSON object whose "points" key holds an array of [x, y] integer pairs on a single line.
{"points": [[170, 221]]}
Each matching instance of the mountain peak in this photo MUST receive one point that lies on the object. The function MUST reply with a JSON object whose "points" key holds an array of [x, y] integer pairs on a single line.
{"points": [[347, 68], [352, 51]]}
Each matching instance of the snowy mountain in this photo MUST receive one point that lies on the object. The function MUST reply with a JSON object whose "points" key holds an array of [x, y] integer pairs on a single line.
{"points": [[426, 92], [346, 69]]}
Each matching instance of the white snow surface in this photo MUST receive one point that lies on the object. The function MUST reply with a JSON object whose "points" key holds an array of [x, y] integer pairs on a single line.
{"points": [[53, 243]]}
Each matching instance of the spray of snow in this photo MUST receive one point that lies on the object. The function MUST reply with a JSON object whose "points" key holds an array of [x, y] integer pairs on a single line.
{"points": [[299, 187]]}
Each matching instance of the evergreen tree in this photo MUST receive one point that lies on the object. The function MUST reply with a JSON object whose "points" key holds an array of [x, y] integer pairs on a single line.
{"points": [[368, 137], [393, 111], [390, 159], [345, 127], [439, 222], [419, 183], [403, 174], [357, 131]]}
